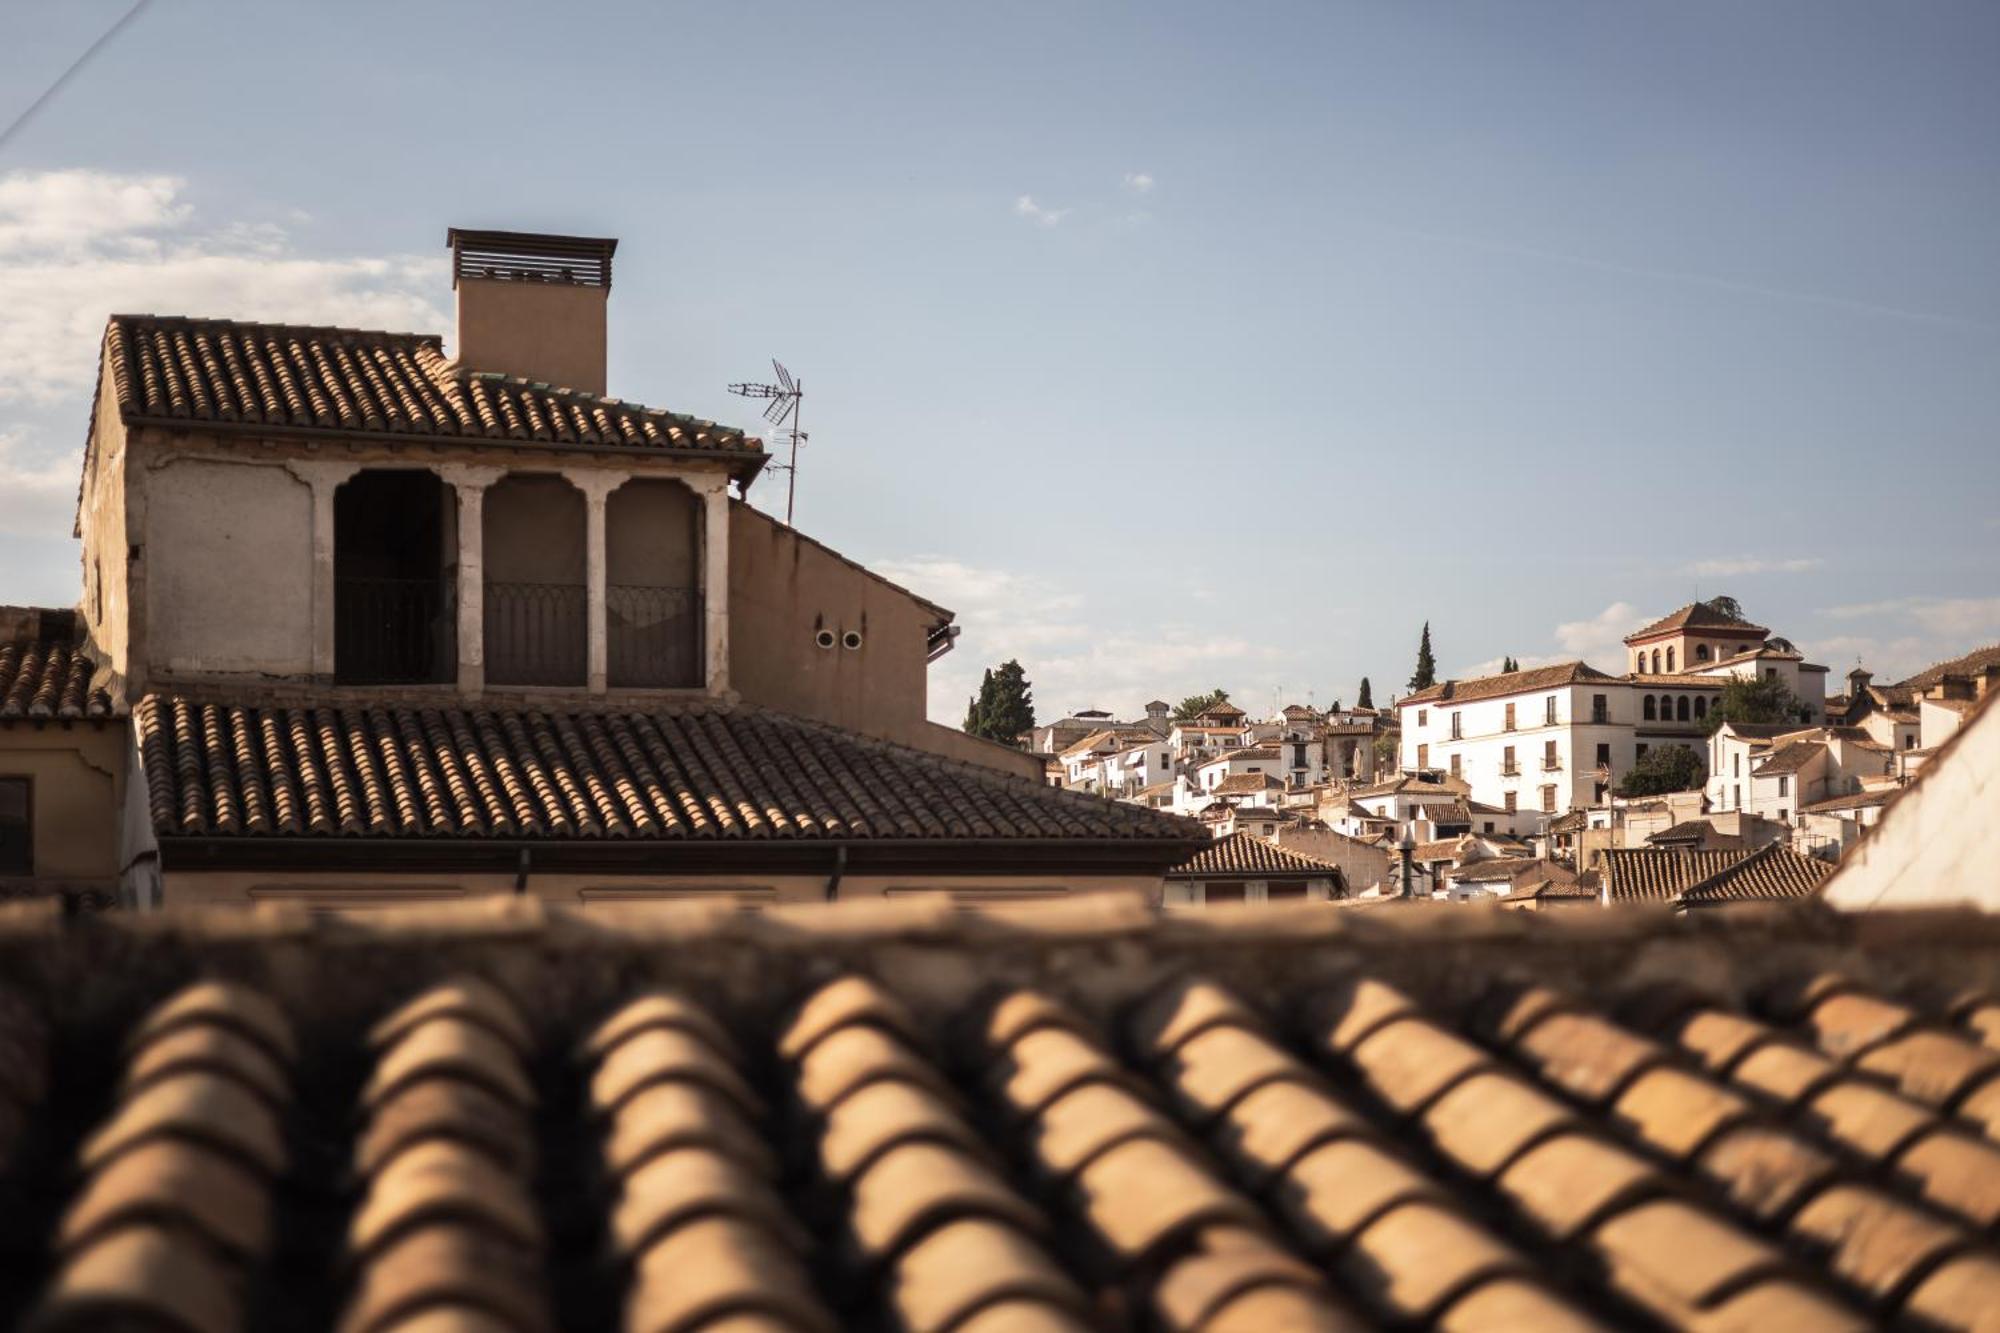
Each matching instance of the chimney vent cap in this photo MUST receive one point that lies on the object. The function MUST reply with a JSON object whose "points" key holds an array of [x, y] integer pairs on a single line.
{"points": [[526, 256]]}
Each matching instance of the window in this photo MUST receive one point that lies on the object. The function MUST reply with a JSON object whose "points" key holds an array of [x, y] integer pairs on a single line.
{"points": [[1604, 754], [1549, 760], [1701, 652], [1509, 801], [1423, 717], [1508, 725], [1910, 742], [1423, 756], [1656, 661], [1701, 707], [1681, 709], [1781, 814], [1489, 826], [1458, 726], [1548, 800], [1454, 765], [1736, 765], [1770, 673], [1598, 797], [1640, 753], [1234, 892], [17, 827], [1650, 708], [1784, 787], [1507, 765], [1549, 710], [1736, 797], [1284, 890], [1600, 709]]}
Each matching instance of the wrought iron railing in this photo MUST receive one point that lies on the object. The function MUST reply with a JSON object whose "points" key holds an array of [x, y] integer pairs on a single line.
{"points": [[655, 636], [392, 631], [536, 633]]}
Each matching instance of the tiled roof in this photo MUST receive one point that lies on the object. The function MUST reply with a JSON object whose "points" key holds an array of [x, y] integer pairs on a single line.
{"points": [[1675, 680], [1441, 849], [47, 681], [1510, 682], [1696, 831], [1445, 789], [1573, 821], [1860, 800], [1660, 874], [1971, 664], [1789, 758], [1512, 868], [1243, 784], [1771, 873], [177, 371], [692, 772], [1541, 890], [1247, 854], [1961, 706], [1762, 731], [1085, 1117], [1695, 615]]}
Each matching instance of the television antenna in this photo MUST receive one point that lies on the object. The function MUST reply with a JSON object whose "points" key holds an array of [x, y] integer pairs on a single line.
{"points": [[784, 399]]}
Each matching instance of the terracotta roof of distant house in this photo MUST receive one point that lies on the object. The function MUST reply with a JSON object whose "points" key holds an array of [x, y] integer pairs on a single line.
{"points": [[1771, 873], [1698, 831], [1857, 737], [1446, 788], [699, 772], [1349, 728], [1443, 849], [1541, 890], [48, 681], [1860, 800], [1961, 706], [1509, 682], [1972, 663], [1223, 709], [272, 378], [1789, 758], [1299, 710], [1674, 680], [1571, 821], [1205, 727], [1513, 868], [1660, 874], [1695, 615], [1239, 784], [1246, 854], [1763, 652], [1764, 731]]}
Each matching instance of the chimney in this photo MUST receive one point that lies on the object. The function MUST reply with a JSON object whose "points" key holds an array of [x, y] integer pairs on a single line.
{"points": [[532, 305]]}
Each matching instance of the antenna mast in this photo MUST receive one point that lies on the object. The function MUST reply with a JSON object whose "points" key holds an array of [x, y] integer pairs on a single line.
{"points": [[784, 398]]}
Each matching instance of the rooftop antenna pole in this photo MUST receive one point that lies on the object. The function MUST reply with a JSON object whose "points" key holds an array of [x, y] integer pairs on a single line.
{"points": [[784, 398]]}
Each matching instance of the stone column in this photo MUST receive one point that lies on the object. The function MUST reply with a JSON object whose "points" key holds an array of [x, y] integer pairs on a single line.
{"points": [[470, 483], [324, 478], [713, 488], [596, 487]]}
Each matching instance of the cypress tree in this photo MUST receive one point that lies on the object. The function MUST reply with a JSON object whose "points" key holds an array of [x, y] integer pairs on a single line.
{"points": [[1366, 699], [1426, 673], [1004, 707]]}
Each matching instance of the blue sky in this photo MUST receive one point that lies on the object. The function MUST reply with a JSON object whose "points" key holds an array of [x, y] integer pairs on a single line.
{"points": [[1172, 345]]}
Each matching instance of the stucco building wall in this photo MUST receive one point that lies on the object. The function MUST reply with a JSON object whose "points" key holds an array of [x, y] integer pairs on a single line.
{"points": [[78, 776]]}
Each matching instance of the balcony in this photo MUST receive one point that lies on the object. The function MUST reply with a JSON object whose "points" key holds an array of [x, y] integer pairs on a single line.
{"points": [[1552, 765], [1510, 770], [392, 631], [655, 637], [536, 633]]}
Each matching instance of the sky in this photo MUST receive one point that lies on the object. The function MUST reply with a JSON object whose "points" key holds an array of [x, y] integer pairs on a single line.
{"points": [[1172, 345]]}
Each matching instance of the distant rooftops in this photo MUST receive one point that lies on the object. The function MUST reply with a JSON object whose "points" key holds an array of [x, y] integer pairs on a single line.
{"points": [[1697, 616]]}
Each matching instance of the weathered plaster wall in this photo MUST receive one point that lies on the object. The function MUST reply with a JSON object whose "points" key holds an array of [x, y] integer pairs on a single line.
{"points": [[101, 522], [785, 590], [534, 530], [652, 535], [546, 331], [78, 772], [228, 567]]}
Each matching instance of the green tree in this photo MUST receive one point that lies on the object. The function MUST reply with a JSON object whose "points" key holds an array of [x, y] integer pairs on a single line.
{"points": [[1725, 605], [1751, 699], [1195, 705], [1004, 706], [1508, 666], [1426, 673], [1668, 768], [1366, 699]]}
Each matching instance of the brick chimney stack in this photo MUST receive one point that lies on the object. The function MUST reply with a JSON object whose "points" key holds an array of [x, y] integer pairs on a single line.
{"points": [[532, 305]]}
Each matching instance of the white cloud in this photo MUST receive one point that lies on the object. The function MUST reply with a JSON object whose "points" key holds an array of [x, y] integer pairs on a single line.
{"points": [[78, 246], [1901, 636], [1731, 567], [1072, 659], [37, 495], [1138, 182], [1491, 666], [1599, 640], [1026, 207]]}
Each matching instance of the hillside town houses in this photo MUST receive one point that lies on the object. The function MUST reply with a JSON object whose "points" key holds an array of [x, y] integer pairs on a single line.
{"points": [[1507, 787]]}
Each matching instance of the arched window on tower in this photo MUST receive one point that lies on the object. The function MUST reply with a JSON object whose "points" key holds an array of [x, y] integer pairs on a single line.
{"points": [[1656, 661], [1650, 709], [1701, 652], [1670, 659]]}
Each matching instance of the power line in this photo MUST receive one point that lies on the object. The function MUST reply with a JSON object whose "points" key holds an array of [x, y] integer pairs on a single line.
{"points": [[90, 51]]}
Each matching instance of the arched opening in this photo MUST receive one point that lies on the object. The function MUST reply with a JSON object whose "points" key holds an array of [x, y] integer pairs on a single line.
{"points": [[537, 619], [652, 594], [1701, 708], [1651, 714], [1681, 709], [1670, 659], [1656, 661], [1701, 652], [393, 534]]}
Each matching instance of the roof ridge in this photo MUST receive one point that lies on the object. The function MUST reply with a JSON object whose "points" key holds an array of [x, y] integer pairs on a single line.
{"points": [[290, 326]]}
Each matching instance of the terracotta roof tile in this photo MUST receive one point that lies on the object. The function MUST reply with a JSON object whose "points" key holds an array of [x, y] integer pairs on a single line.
{"points": [[1695, 615], [176, 371], [700, 772], [1512, 682], [948, 1122], [48, 681], [1246, 854]]}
